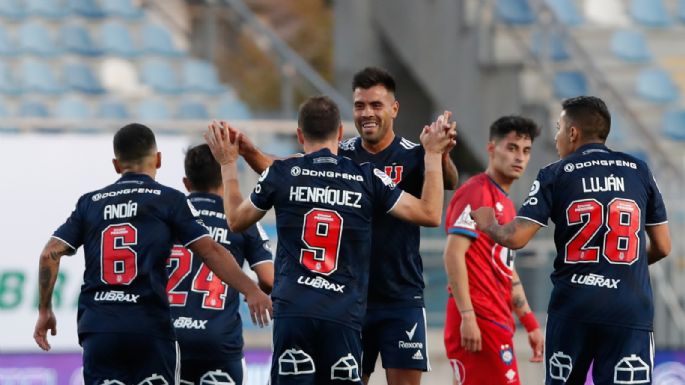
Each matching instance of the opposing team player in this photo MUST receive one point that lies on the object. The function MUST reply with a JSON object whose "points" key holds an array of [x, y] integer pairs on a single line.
{"points": [[483, 283], [324, 207], [396, 310], [602, 203], [127, 230], [205, 309]]}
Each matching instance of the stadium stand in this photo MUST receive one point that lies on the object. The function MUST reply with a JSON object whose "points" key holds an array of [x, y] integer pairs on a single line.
{"points": [[81, 49]]}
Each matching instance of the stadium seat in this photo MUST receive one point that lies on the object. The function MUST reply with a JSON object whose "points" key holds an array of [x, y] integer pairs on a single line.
{"points": [[674, 124], [160, 75], [566, 11], [200, 76], [193, 110], [79, 77], [153, 109], [516, 12], [53, 9], [568, 84], [656, 85], [110, 109], [33, 109], [34, 38], [87, 8], [116, 40], [77, 39], [650, 13], [229, 107], [12, 9], [554, 41], [38, 76], [72, 108], [157, 40], [8, 85], [630, 45], [7, 46], [122, 8]]}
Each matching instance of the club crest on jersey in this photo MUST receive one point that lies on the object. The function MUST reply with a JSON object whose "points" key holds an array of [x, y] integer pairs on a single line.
{"points": [[395, 173], [506, 354]]}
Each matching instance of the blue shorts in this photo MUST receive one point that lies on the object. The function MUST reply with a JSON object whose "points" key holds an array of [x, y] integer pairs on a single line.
{"points": [[619, 355], [129, 359], [398, 335], [196, 372], [314, 351]]}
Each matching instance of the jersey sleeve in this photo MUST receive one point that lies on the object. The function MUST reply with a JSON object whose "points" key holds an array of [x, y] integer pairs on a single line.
{"points": [[71, 232], [459, 219], [385, 192], [186, 222], [257, 249], [538, 205], [264, 193], [656, 209]]}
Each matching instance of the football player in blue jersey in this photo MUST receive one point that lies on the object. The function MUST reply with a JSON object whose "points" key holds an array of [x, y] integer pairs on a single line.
{"points": [[395, 324], [604, 204], [127, 230], [205, 309], [324, 204]]}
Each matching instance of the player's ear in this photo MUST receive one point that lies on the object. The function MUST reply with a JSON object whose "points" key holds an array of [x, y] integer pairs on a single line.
{"points": [[395, 108], [117, 166], [574, 134], [490, 147], [188, 184], [159, 160], [300, 136]]}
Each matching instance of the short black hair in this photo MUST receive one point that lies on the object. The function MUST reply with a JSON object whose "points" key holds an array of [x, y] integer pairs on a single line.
{"points": [[521, 125], [202, 170], [590, 114], [133, 142], [319, 118], [373, 76]]}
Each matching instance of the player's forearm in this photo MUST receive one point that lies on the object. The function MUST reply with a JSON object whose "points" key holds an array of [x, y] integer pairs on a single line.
{"points": [[48, 268], [257, 160], [433, 191], [232, 196], [223, 264], [458, 279], [519, 302], [450, 174]]}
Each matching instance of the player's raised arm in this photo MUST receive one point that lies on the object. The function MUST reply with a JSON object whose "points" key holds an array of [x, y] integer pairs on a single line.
{"points": [[513, 235], [240, 213], [659, 242], [222, 263], [427, 211], [450, 174], [47, 276]]}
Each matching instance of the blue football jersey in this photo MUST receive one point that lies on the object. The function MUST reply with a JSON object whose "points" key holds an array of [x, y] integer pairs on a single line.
{"points": [[396, 267], [324, 206], [600, 202], [127, 230], [205, 309]]}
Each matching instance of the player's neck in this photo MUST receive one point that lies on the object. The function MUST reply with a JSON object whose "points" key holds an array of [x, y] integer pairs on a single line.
{"points": [[375, 148], [152, 173], [331, 146], [502, 181]]}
